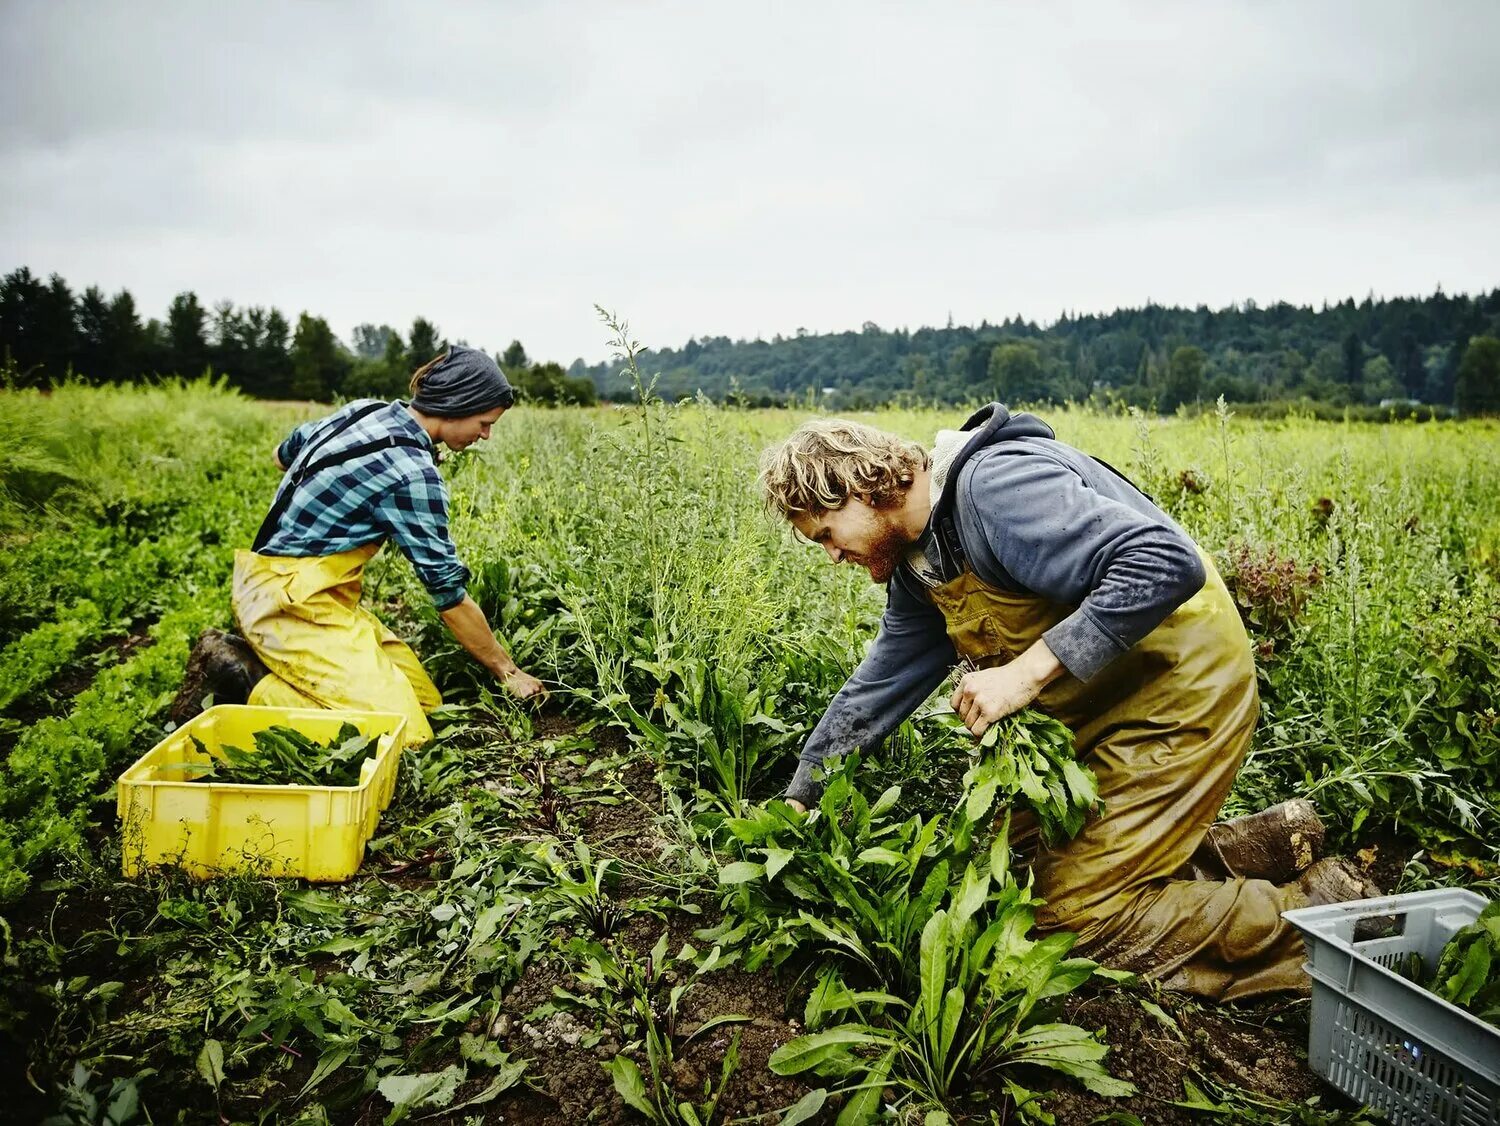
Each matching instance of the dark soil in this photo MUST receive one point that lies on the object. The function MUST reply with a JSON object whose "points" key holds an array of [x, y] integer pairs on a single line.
{"points": [[1260, 1048], [1382, 858], [567, 1082]]}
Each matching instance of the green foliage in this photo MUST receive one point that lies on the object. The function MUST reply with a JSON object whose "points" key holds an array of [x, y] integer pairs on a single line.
{"points": [[621, 553], [1249, 353], [972, 1000], [585, 897], [1468, 970], [1340, 354], [283, 756], [319, 363], [1184, 377], [1223, 1103], [1027, 758], [1477, 390], [651, 998], [860, 886]]}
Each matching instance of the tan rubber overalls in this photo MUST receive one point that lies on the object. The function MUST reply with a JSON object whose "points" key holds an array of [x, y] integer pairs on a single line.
{"points": [[1165, 728]]}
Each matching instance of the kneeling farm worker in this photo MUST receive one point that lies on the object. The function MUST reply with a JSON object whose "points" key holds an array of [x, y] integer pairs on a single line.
{"points": [[364, 475], [1065, 588]]}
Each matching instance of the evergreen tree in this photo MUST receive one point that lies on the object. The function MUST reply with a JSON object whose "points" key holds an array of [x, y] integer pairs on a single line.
{"points": [[228, 354], [125, 341], [57, 328], [95, 361], [1477, 388], [370, 341], [1354, 358], [424, 343], [319, 364], [273, 356], [186, 344], [1184, 377], [397, 366], [514, 358]]}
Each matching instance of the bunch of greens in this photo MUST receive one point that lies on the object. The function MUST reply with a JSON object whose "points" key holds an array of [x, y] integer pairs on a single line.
{"points": [[848, 880], [285, 757], [984, 1003], [1468, 971], [1028, 758], [862, 886]]}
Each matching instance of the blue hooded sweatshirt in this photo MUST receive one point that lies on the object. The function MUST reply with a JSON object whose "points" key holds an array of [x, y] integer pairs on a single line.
{"points": [[1031, 515]]}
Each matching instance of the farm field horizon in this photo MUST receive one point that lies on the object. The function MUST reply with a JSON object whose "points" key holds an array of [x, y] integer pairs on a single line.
{"points": [[597, 911]]}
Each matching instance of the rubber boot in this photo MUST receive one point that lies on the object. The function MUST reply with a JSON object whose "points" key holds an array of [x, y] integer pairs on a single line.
{"points": [[221, 665], [1336, 880], [1274, 844]]}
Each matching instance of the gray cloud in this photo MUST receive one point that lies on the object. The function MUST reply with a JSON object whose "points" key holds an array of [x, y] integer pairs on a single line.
{"points": [[747, 169]]}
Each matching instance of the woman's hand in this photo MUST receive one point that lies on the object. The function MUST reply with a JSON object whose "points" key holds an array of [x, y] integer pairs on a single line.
{"points": [[987, 695], [524, 686]]}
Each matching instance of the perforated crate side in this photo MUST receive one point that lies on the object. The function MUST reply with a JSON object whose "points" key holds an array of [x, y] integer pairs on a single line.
{"points": [[1388, 1069]]}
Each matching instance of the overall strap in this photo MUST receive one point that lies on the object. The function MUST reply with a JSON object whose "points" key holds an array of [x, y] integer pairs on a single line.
{"points": [[303, 466]]}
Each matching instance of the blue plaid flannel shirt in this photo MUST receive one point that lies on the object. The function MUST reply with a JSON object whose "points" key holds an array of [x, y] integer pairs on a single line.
{"points": [[394, 494]]}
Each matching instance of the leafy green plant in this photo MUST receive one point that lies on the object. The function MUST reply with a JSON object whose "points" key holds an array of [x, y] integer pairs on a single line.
{"points": [[284, 756], [1468, 970], [87, 1101], [1232, 1104], [651, 998], [982, 1007], [585, 897], [1028, 758], [861, 886], [848, 880]]}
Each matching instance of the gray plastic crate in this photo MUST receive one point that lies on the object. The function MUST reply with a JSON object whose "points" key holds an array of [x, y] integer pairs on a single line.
{"points": [[1382, 1039]]}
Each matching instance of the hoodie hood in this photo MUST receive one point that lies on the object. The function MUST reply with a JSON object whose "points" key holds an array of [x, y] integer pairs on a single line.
{"points": [[938, 554], [985, 427]]}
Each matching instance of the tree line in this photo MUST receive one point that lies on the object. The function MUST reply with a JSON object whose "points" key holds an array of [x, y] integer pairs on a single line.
{"points": [[1439, 350], [47, 332]]}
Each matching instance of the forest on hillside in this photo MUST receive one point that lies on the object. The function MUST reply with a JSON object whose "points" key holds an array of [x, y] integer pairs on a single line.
{"points": [[1365, 352]]}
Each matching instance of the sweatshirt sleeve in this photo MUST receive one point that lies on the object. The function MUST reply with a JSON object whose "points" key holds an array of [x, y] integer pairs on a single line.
{"points": [[909, 658], [1056, 536]]}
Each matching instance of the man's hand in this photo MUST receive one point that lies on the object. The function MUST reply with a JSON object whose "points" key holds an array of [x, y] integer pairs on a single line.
{"points": [[524, 686], [988, 695], [795, 804]]}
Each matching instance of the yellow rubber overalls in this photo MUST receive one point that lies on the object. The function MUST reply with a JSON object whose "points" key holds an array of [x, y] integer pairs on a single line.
{"points": [[323, 649], [303, 618], [1165, 728]]}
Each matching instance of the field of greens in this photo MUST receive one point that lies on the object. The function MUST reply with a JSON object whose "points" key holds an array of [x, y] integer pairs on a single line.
{"points": [[597, 912]]}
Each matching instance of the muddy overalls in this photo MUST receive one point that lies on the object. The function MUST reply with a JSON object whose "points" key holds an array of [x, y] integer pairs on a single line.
{"points": [[303, 618], [1165, 728]]}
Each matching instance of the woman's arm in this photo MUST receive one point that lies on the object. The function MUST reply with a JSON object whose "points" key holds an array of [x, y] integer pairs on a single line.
{"points": [[416, 515], [467, 622]]}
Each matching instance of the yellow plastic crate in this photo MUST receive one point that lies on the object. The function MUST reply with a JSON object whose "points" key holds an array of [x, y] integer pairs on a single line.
{"points": [[217, 828]]}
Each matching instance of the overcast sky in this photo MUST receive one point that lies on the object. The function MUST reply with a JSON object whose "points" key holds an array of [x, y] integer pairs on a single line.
{"points": [[744, 169]]}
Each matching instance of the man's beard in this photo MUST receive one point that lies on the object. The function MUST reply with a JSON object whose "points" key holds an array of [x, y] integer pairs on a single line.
{"points": [[885, 554]]}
